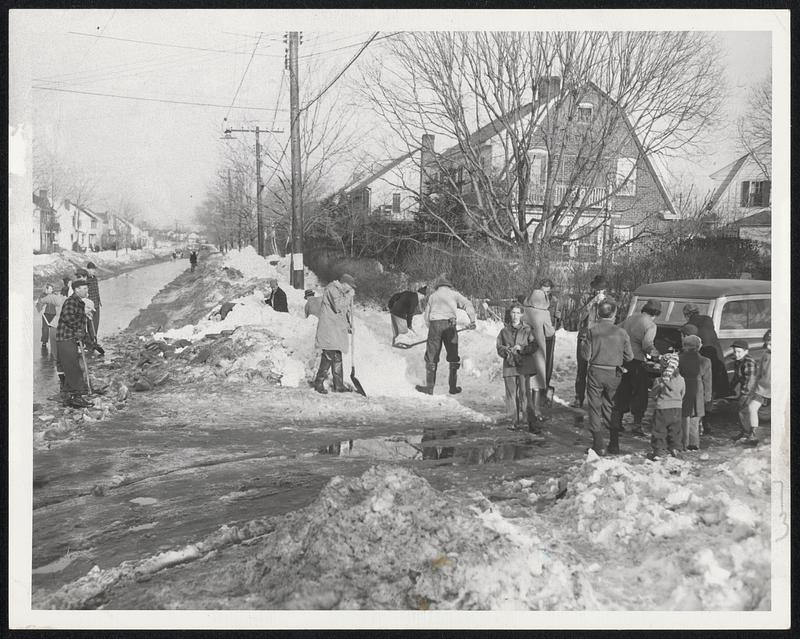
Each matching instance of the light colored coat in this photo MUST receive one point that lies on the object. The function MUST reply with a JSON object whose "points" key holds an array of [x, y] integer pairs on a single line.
{"points": [[442, 305], [642, 330], [335, 318]]}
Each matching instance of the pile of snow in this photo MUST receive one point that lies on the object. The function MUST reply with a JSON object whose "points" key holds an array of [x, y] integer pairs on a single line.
{"points": [[707, 533]]}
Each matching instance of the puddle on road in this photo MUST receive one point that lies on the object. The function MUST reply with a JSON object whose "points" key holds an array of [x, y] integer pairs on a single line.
{"points": [[144, 501], [437, 444]]}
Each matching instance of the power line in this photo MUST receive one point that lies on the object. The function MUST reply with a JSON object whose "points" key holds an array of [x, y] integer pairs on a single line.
{"points": [[174, 46], [235, 95], [143, 99], [348, 46], [341, 73]]}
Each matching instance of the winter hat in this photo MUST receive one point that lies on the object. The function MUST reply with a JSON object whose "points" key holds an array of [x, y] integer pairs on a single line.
{"points": [[737, 343], [273, 281], [691, 309], [669, 364], [692, 342], [79, 283], [308, 293], [90, 265], [442, 280], [348, 279], [652, 307], [81, 272], [689, 329]]}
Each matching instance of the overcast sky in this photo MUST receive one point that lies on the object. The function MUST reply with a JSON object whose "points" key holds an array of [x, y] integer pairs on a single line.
{"points": [[161, 154]]}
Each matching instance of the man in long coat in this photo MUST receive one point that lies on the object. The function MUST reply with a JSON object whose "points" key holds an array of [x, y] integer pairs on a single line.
{"points": [[334, 326]]}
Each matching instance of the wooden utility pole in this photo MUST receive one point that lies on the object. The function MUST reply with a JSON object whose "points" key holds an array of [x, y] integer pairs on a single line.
{"points": [[297, 202]]}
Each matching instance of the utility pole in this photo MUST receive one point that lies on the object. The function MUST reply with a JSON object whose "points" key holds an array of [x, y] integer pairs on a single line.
{"points": [[259, 185], [297, 203]]}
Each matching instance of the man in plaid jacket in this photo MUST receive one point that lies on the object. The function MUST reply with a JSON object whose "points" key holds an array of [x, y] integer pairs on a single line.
{"points": [[70, 334], [744, 376]]}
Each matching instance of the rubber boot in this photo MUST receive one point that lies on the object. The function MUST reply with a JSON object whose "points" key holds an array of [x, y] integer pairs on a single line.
{"points": [[430, 380], [613, 442], [597, 444], [536, 399], [454, 389], [322, 373], [77, 400], [338, 376]]}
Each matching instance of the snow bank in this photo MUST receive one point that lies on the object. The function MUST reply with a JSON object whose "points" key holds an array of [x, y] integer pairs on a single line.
{"points": [[58, 265]]}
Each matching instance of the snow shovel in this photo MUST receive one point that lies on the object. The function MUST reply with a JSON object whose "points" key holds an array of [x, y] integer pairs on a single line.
{"points": [[356, 384], [406, 346]]}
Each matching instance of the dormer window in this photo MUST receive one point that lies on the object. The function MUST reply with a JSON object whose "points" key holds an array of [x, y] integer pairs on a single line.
{"points": [[585, 112]]}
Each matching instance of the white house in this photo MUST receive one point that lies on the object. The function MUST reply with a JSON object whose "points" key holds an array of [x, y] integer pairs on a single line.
{"points": [[744, 187]]}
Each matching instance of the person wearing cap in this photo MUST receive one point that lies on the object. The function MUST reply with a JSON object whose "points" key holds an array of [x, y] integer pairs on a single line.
{"points": [[70, 334], [537, 316], [760, 395], [335, 324], [46, 307], [94, 295], [668, 391], [313, 303], [711, 347], [605, 348], [696, 372], [440, 316], [635, 384], [277, 297], [587, 317], [402, 308], [745, 370]]}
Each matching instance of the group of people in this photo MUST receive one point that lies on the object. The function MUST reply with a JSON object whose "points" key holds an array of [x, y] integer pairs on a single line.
{"points": [[70, 322]]}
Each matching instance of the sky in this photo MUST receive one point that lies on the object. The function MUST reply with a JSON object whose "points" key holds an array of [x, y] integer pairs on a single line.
{"points": [[163, 155]]}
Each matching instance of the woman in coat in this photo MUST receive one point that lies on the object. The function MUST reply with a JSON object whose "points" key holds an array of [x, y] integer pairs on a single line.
{"points": [[516, 345], [696, 371], [334, 326], [537, 316]]}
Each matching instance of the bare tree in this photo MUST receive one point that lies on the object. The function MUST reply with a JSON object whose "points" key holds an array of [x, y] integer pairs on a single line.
{"points": [[755, 128], [61, 176], [470, 88]]}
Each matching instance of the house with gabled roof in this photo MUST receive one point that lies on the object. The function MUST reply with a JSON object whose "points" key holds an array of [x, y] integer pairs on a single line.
{"points": [[45, 223], [743, 187]]}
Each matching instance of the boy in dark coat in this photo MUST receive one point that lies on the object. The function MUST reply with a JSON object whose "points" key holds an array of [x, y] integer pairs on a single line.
{"points": [[696, 372], [277, 297], [402, 307]]}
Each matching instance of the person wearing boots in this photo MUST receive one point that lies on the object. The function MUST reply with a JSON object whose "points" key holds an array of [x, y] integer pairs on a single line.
{"points": [[761, 393], [94, 295], [70, 334], [745, 370], [47, 307], [440, 316], [537, 316], [334, 326], [634, 387], [587, 317], [696, 372], [605, 348], [516, 345]]}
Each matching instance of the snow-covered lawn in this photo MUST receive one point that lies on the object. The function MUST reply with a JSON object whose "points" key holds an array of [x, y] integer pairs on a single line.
{"points": [[54, 266]]}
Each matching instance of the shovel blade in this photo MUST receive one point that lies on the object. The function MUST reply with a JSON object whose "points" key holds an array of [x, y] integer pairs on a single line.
{"points": [[356, 384]]}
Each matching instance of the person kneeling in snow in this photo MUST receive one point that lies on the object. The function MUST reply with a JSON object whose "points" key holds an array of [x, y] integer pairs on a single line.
{"points": [[440, 316], [668, 391], [335, 324], [402, 308]]}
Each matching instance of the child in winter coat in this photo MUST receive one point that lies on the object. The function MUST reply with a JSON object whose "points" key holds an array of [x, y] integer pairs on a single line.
{"points": [[696, 372], [761, 392], [516, 344], [668, 391], [744, 376]]}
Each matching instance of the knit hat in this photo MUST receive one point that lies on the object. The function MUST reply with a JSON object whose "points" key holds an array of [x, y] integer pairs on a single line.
{"points": [[737, 343], [689, 329], [692, 342], [79, 283], [348, 279], [691, 309], [81, 272], [308, 293], [669, 364]]}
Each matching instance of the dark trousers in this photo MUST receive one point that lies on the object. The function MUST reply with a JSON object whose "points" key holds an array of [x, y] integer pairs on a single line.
{"points": [[96, 320], [601, 388], [48, 317], [70, 362], [667, 430], [580, 376], [550, 346], [719, 376], [632, 394], [331, 360], [442, 332]]}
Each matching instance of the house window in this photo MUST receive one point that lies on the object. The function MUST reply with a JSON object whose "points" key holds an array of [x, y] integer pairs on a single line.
{"points": [[756, 193], [626, 176], [395, 204], [585, 112], [94, 224]]}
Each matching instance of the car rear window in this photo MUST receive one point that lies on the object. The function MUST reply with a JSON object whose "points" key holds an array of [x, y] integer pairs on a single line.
{"points": [[746, 314], [674, 316]]}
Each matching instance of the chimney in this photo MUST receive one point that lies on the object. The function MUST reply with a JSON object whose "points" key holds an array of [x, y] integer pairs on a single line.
{"points": [[425, 160]]}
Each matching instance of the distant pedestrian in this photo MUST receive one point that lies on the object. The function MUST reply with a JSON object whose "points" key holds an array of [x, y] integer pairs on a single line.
{"points": [[516, 345], [440, 316], [70, 336], [277, 297], [403, 307], [587, 317], [635, 384], [46, 305], [669, 391], [94, 295], [605, 348], [313, 303], [696, 372], [743, 382], [334, 326], [193, 260], [761, 393]]}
